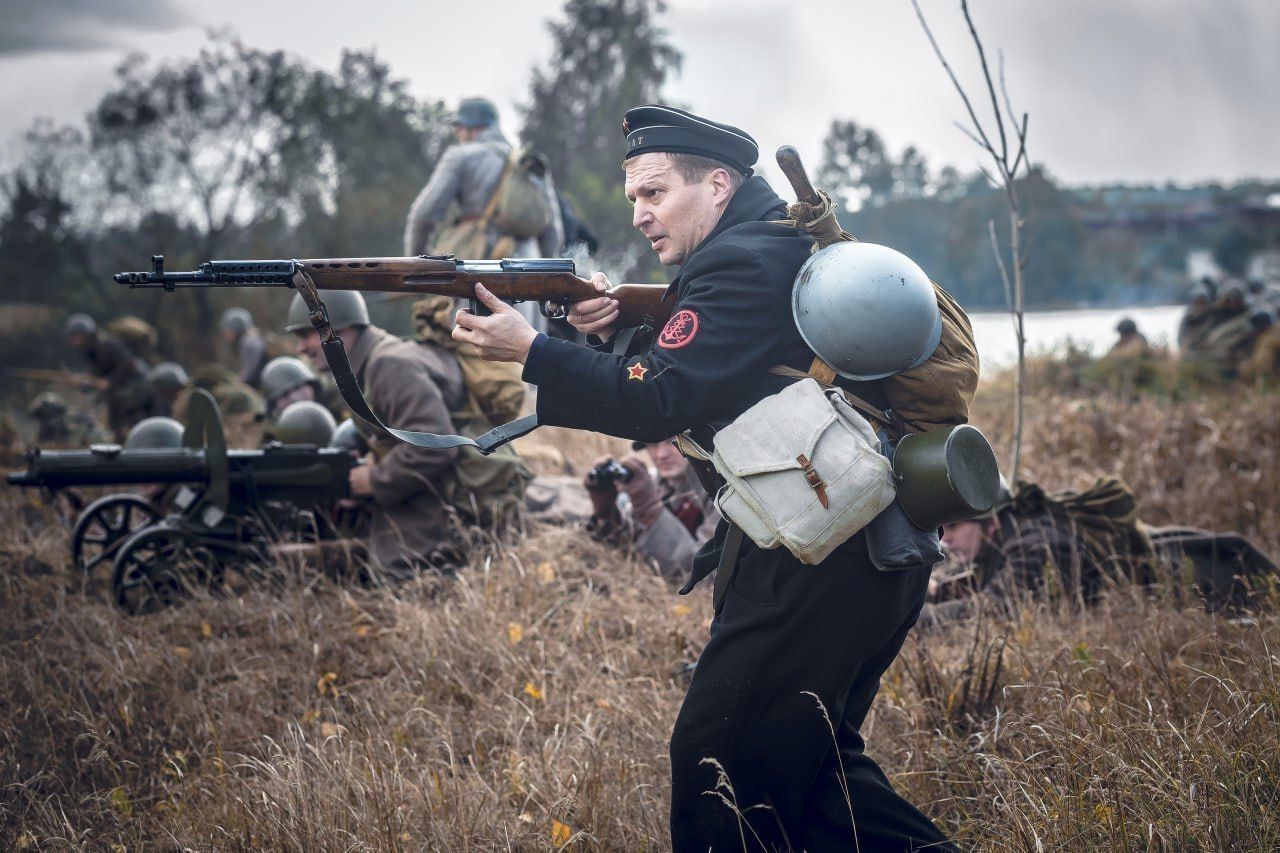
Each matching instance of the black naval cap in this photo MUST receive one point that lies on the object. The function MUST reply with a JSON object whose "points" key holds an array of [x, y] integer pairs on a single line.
{"points": [[655, 128]]}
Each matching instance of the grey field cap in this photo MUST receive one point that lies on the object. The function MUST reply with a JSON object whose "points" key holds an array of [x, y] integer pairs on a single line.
{"points": [[867, 310], [346, 308]]}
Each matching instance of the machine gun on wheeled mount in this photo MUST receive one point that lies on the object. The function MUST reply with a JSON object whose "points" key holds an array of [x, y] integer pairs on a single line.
{"points": [[231, 506]]}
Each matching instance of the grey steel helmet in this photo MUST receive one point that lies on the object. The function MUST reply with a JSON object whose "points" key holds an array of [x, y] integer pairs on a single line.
{"points": [[346, 308], [168, 376], [347, 437], [154, 434], [1126, 326], [284, 374], [79, 324], [866, 310], [305, 422], [476, 112], [237, 320]]}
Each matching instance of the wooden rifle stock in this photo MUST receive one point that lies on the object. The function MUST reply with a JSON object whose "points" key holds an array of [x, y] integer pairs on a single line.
{"points": [[638, 304]]}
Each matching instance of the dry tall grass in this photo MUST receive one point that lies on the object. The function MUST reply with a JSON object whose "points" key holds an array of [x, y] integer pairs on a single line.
{"points": [[528, 704]]}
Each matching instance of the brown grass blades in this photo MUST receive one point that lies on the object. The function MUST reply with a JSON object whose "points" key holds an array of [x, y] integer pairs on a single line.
{"points": [[528, 704]]}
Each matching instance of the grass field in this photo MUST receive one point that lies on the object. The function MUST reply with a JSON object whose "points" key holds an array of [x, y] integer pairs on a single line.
{"points": [[527, 705]]}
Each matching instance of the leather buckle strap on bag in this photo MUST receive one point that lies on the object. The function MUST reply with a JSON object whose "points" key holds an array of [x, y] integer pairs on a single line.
{"points": [[335, 353]]}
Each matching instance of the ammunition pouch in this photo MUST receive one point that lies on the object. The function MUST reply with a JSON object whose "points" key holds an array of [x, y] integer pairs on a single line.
{"points": [[802, 469]]}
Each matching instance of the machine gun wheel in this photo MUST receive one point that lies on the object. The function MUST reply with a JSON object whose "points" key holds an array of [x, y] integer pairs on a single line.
{"points": [[103, 527], [157, 567]]}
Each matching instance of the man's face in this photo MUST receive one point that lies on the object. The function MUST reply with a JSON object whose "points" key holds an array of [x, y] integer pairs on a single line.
{"points": [[78, 341], [673, 216], [465, 134], [670, 462], [303, 392], [306, 343], [964, 539]]}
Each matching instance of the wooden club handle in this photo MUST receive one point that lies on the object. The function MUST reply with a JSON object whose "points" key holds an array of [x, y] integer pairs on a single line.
{"points": [[789, 162]]}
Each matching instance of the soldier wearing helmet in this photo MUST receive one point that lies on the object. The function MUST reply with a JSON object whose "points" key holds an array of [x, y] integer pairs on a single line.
{"points": [[465, 182], [167, 380], [415, 386], [288, 380], [1072, 546], [156, 433], [246, 344], [121, 375], [787, 637], [1131, 345], [304, 422]]}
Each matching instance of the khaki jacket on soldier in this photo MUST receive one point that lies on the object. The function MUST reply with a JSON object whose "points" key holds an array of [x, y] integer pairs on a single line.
{"points": [[412, 386]]}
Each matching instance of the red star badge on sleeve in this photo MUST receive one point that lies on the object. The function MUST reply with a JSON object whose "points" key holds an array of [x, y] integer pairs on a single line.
{"points": [[636, 372]]}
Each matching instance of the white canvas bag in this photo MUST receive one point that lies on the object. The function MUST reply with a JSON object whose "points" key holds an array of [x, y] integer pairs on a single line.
{"points": [[802, 469]]}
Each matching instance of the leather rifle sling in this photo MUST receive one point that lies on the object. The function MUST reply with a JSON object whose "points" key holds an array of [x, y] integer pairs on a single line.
{"points": [[335, 353]]}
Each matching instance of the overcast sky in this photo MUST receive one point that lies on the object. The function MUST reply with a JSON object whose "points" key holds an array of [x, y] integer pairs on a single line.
{"points": [[1117, 89]]}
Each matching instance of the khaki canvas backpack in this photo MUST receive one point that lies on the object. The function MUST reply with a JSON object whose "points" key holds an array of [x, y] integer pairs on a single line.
{"points": [[484, 488]]}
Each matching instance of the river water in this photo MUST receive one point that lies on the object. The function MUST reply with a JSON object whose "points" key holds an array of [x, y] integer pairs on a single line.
{"points": [[1092, 329]]}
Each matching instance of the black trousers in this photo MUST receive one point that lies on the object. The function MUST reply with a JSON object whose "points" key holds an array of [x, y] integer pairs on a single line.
{"points": [[787, 637]]}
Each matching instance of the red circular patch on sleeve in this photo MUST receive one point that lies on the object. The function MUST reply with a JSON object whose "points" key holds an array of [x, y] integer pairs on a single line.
{"points": [[679, 331]]}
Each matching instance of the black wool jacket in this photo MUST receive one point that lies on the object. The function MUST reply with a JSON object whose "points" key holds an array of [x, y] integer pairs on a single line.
{"points": [[730, 324]]}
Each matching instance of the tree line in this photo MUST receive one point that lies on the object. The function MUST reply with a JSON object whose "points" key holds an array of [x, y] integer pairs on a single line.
{"points": [[243, 152]]}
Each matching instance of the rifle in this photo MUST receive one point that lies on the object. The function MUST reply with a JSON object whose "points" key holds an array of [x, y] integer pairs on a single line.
{"points": [[544, 280], [541, 280]]}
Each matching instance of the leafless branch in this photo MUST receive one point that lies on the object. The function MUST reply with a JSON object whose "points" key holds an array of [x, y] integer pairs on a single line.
{"points": [[986, 143], [1006, 164], [986, 75]]}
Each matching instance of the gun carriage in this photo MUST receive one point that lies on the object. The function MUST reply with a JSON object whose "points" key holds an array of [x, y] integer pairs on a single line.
{"points": [[228, 509]]}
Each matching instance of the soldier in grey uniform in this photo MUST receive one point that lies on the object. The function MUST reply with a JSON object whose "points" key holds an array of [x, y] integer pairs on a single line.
{"points": [[465, 180], [414, 387], [244, 339]]}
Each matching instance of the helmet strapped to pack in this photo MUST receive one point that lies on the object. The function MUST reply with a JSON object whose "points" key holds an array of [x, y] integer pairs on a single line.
{"points": [[866, 310]]}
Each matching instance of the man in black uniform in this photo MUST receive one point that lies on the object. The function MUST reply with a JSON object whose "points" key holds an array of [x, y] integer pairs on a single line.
{"points": [[783, 632]]}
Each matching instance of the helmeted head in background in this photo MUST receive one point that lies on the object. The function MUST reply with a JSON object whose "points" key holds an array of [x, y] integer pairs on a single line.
{"points": [[1126, 327], [80, 330], [347, 311], [234, 322], [473, 117], [288, 380], [304, 422], [965, 540]]}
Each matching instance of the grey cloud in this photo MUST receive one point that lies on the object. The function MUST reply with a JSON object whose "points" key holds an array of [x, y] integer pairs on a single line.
{"points": [[32, 26]]}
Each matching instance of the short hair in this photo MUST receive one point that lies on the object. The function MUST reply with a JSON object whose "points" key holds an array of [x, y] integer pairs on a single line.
{"points": [[695, 167]]}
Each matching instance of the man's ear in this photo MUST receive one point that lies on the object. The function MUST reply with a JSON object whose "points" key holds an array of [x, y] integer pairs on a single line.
{"points": [[721, 185]]}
